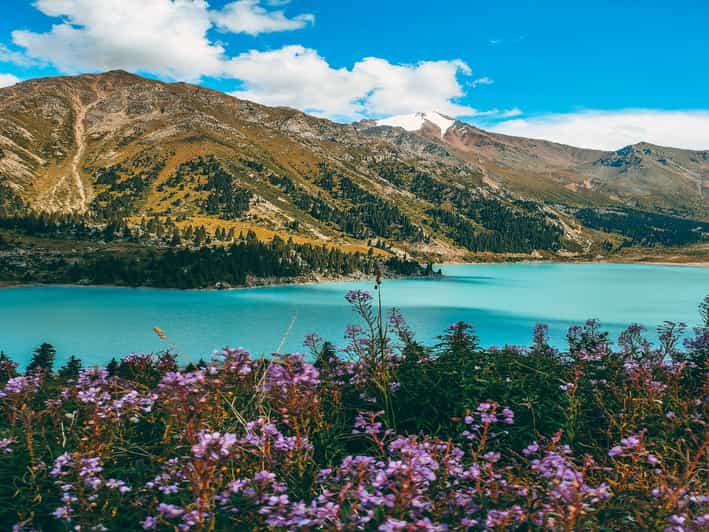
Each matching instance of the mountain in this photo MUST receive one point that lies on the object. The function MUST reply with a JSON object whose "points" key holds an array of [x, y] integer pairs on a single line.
{"points": [[116, 147], [641, 175]]}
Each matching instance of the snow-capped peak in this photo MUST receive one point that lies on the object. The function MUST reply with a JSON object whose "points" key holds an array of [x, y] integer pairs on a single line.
{"points": [[415, 121]]}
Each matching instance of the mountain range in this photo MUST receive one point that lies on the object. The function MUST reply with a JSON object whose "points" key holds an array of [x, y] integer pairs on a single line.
{"points": [[641, 175], [119, 146]]}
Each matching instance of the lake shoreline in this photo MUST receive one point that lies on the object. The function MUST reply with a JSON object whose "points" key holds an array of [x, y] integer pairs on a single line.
{"points": [[267, 283], [311, 280], [687, 264]]}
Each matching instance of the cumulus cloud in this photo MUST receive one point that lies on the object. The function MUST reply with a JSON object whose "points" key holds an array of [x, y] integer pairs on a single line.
{"points": [[299, 77], [611, 130], [395, 89], [248, 16], [170, 39], [165, 37], [8, 79]]}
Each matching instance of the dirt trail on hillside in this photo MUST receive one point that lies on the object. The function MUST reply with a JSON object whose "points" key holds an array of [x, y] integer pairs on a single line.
{"points": [[71, 186], [79, 131]]}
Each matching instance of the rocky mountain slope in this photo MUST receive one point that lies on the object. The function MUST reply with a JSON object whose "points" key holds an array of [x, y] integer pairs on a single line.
{"points": [[118, 146], [641, 175]]}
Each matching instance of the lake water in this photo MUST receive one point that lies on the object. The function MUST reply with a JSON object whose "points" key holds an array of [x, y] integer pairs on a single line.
{"points": [[502, 301]]}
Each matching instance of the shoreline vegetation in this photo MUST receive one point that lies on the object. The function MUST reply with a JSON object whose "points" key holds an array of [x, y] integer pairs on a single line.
{"points": [[318, 279], [246, 261], [384, 433], [161, 253], [255, 283]]}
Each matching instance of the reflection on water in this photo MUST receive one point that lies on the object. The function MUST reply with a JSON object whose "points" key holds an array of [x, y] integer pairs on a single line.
{"points": [[503, 302]]}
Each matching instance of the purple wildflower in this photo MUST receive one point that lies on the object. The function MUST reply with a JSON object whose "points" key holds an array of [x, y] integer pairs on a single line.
{"points": [[170, 511], [358, 297], [149, 523]]}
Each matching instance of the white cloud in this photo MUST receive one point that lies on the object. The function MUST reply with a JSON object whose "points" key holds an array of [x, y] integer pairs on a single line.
{"points": [[509, 113], [481, 81], [248, 16], [498, 114], [165, 37], [299, 77], [8, 79], [169, 38], [611, 130], [17, 58], [428, 85]]}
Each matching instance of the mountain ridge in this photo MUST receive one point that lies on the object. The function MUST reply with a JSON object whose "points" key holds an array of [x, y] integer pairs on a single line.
{"points": [[585, 168], [118, 145], [387, 122]]}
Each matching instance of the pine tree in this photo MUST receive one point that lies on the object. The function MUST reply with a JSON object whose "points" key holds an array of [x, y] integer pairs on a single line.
{"points": [[112, 367], [43, 358], [8, 368], [71, 369]]}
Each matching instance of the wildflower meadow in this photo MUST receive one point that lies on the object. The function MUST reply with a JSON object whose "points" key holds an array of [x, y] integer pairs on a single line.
{"points": [[383, 433]]}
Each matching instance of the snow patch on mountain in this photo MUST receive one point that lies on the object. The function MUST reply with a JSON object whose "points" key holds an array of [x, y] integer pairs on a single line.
{"points": [[415, 121]]}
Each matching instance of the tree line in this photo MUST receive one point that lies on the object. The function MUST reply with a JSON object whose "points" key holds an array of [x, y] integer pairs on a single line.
{"points": [[645, 228]]}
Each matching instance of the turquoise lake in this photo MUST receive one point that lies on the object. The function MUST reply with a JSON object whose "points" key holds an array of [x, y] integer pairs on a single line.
{"points": [[502, 301]]}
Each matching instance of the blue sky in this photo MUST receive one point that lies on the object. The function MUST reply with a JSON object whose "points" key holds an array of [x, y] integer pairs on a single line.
{"points": [[598, 74]]}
